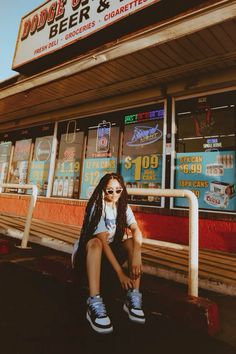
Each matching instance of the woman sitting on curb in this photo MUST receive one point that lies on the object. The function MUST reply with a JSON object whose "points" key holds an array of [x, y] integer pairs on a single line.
{"points": [[101, 243]]}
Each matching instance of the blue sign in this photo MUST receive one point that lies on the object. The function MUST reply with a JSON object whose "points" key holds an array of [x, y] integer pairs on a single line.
{"points": [[39, 176], [93, 170], [210, 175]]}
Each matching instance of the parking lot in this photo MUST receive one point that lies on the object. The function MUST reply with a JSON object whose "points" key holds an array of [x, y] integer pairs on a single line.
{"points": [[43, 315]]}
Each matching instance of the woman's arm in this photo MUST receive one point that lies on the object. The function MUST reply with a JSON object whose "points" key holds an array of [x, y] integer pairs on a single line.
{"points": [[126, 282], [136, 266]]}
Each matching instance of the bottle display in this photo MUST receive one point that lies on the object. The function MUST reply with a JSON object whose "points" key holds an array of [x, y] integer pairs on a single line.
{"points": [[71, 187], [60, 187], [65, 187], [55, 186], [76, 188]]}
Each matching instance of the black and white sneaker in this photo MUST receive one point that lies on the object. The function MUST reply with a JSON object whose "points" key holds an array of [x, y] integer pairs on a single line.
{"points": [[133, 306], [97, 315]]}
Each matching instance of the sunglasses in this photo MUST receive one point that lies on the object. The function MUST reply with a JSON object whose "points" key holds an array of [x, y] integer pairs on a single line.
{"points": [[112, 191]]}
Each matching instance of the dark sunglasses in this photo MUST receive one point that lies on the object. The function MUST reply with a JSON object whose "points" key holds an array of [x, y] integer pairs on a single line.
{"points": [[112, 191]]}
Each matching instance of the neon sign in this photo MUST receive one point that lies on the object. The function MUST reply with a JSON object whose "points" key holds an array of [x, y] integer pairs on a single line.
{"points": [[144, 135], [132, 118]]}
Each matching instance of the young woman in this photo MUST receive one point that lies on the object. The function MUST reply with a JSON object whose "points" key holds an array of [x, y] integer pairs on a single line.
{"points": [[106, 218]]}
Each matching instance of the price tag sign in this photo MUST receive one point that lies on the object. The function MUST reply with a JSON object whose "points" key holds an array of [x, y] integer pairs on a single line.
{"points": [[93, 170], [143, 172], [210, 176]]}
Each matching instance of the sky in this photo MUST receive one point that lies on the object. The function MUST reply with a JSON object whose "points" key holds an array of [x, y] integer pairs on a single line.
{"points": [[10, 16]]}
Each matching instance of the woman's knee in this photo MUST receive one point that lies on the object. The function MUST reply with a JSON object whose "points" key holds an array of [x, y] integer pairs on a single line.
{"points": [[128, 245], [94, 244]]}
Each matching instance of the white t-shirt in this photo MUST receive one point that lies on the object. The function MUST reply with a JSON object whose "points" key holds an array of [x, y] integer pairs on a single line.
{"points": [[107, 223]]}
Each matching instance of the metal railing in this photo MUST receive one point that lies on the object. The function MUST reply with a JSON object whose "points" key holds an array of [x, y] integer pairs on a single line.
{"points": [[193, 228], [33, 199]]}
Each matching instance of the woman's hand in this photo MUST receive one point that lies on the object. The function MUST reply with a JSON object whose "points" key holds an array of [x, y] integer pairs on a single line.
{"points": [[136, 266], [125, 281]]}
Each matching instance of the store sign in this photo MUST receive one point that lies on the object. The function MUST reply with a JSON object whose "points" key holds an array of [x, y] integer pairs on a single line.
{"points": [[139, 117], [210, 176], [59, 23]]}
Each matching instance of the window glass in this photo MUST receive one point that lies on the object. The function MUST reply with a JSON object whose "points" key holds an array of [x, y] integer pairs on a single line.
{"points": [[103, 140], [39, 166], [26, 144], [20, 162], [101, 155], [141, 164], [205, 146], [67, 171], [5, 152]]}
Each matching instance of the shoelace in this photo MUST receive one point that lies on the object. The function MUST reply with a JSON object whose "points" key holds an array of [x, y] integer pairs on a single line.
{"points": [[136, 300], [99, 308]]}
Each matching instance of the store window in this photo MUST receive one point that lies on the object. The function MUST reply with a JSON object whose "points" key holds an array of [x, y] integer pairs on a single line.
{"points": [[26, 155], [142, 153], [5, 153], [20, 162], [101, 154], [39, 166], [205, 150], [68, 165]]}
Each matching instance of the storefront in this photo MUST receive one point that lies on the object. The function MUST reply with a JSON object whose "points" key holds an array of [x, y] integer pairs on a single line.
{"points": [[160, 112]]}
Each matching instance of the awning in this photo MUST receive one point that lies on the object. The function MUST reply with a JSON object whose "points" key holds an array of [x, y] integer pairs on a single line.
{"points": [[191, 52]]}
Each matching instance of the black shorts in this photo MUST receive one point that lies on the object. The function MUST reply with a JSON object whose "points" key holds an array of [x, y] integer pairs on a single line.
{"points": [[107, 271]]}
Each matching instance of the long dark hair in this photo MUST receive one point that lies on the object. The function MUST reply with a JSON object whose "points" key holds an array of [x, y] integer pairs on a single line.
{"points": [[93, 211]]}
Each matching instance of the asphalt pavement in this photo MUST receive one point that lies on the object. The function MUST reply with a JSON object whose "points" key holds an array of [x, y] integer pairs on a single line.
{"points": [[41, 314]]}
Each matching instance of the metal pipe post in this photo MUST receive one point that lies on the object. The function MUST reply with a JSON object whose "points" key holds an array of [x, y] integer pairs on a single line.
{"points": [[193, 228]]}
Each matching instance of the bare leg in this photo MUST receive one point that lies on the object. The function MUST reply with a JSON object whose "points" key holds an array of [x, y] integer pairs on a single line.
{"points": [[128, 245], [93, 263]]}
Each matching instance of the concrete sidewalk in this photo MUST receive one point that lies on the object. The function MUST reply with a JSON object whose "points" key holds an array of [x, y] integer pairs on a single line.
{"points": [[39, 279]]}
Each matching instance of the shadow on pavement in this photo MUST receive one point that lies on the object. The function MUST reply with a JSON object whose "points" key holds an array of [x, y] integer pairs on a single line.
{"points": [[40, 315]]}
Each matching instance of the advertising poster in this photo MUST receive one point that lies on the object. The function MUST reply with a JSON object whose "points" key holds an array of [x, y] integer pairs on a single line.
{"points": [[142, 152], [142, 172], [5, 151], [20, 163], [39, 167], [93, 171], [103, 139], [67, 172], [210, 176]]}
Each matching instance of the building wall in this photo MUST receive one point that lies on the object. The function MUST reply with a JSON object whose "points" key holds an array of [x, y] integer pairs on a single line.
{"points": [[213, 234]]}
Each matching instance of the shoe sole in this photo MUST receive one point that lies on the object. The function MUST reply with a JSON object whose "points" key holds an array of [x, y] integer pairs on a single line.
{"points": [[97, 329], [133, 318]]}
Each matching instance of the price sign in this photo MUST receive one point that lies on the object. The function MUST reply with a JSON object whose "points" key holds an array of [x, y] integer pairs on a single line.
{"points": [[93, 171], [210, 176], [140, 165], [191, 168], [142, 172]]}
